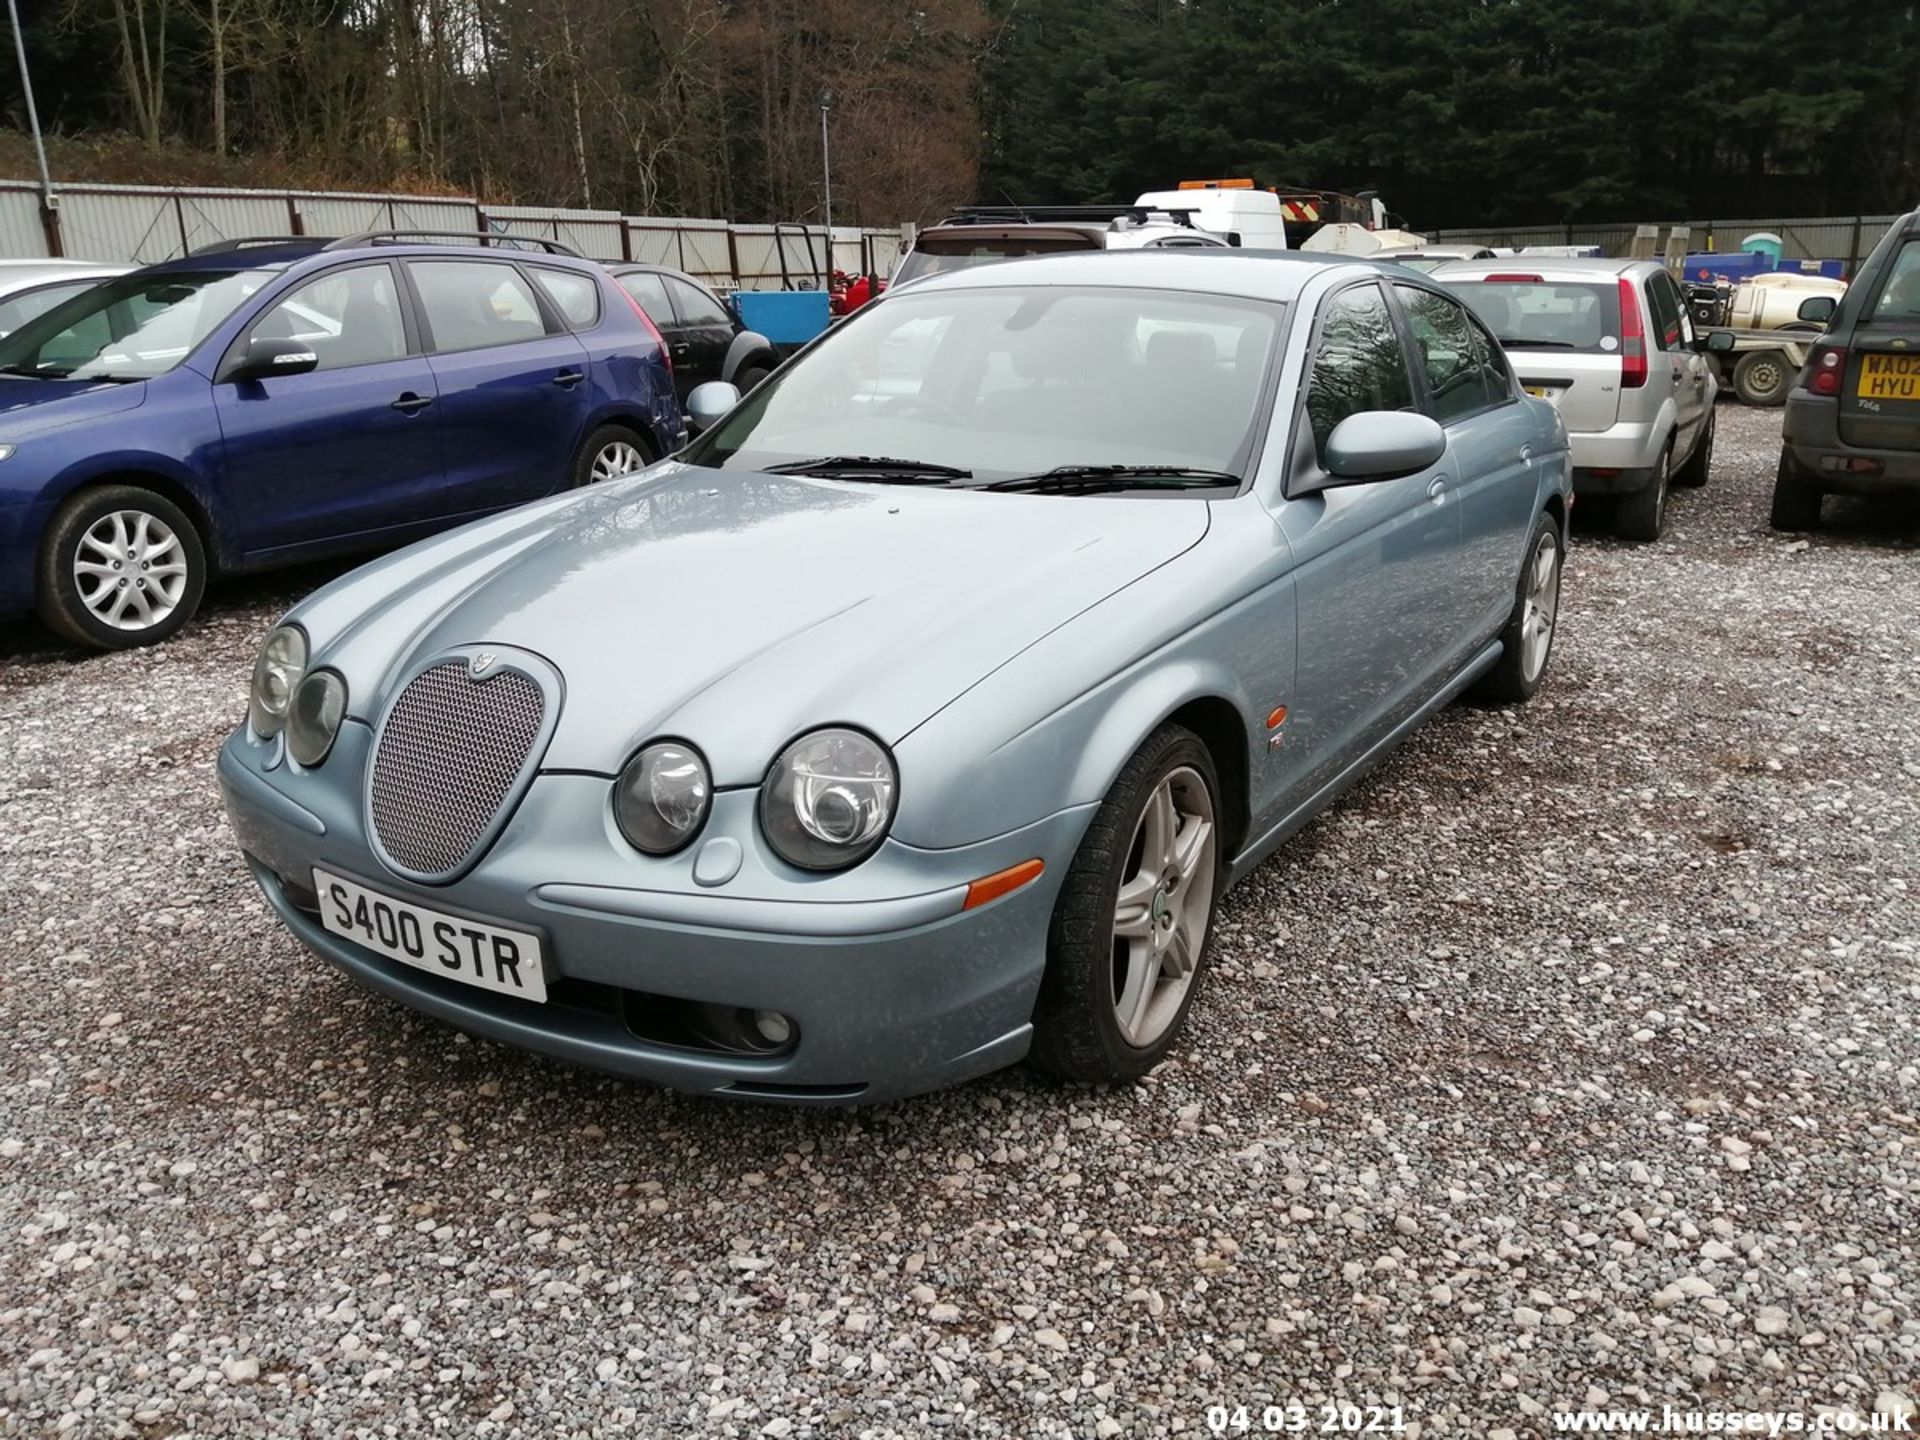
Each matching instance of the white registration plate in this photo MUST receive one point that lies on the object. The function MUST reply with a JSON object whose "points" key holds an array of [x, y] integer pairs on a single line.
{"points": [[492, 957]]}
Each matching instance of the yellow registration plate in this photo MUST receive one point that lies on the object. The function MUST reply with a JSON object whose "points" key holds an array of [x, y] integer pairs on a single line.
{"points": [[1889, 377]]}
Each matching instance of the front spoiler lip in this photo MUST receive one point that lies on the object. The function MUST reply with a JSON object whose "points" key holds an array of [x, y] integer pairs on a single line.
{"points": [[756, 916]]}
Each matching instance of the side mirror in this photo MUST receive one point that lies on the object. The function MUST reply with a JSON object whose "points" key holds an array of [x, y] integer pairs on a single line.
{"points": [[1383, 445], [1719, 342], [708, 405], [1818, 308], [267, 356]]}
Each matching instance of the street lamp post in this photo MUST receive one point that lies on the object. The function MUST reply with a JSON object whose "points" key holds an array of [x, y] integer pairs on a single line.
{"points": [[826, 184], [47, 217]]}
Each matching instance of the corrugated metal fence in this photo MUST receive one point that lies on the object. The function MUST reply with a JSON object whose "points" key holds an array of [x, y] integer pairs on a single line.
{"points": [[1833, 237], [140, 224]]}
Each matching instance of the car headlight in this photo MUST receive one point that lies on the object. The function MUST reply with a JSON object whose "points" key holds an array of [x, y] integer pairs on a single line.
{"points": [[283, 659], [313, 717], [6, 452], [661, 799], [829, 799]]}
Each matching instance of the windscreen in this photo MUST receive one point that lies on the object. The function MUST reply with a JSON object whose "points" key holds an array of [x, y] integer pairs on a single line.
{"points": [[1547, 315], [1004, 382], [130, 328]]}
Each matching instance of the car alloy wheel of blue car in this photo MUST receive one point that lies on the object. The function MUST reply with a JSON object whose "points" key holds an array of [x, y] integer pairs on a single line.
{"points": [[914, 719], [259, 404]]}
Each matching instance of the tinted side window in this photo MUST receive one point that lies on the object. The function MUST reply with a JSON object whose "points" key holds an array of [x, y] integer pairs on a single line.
{"points": [[647, 289], [1451, 349], [346, 317], [474, 303], [1900, 296], [696, 307], [574, 295], [1359, 365], [1665, 303]]}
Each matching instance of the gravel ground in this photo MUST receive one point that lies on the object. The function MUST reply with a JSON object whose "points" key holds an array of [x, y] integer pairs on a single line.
{"points": [[1571, 1061]]}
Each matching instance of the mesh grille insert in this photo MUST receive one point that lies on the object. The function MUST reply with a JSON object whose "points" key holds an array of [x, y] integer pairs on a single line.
{"points": [[447, 760]]}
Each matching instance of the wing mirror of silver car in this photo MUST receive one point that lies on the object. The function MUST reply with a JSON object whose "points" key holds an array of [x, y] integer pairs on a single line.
{"points": [[1818, 308], [709, 404], [1719, 342], [1381, 445]]}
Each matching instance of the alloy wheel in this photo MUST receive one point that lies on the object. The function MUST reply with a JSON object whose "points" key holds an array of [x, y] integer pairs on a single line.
{"points": [[1164, 905], [1539, 606], [620, 457], [130, 570]]}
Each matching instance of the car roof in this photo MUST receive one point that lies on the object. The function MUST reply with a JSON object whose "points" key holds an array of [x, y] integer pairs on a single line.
{"points": [[1547, 267], [285, 252], [1257, 274]]}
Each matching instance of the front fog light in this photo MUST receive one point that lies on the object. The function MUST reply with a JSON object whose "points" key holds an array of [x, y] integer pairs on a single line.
{"points": [[314, 716], [829, 799], [660, 800], [275, 674]]}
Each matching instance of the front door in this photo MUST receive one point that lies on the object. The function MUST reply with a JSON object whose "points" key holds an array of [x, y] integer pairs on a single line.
{"points": [[1673, 345], [1376, 564], [350, 449], [514, 394]]}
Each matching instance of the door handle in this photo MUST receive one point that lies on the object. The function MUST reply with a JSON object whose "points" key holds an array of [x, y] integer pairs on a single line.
{"points": [[1437, 490], [569, 377], [410, 402], [681, 347]]}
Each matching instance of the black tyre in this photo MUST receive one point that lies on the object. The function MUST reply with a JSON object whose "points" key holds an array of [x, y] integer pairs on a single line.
{"points": [[1526, 640], [1796, 498], [121, 566], [749, 377], [608, 453], [1763, 377], [1128, 943], [1642, 515], [1693, 474]]}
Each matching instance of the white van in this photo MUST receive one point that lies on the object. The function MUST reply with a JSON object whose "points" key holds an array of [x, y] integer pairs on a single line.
{"points": [[1253, 215]]}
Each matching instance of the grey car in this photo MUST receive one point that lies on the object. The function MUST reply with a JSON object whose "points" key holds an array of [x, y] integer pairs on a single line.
{"points": [[1611, 343], [909, 724], [29, 288], [1853, 415]]}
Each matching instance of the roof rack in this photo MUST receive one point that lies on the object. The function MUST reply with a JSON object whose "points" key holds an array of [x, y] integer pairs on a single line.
{"points": [[1057, 214], [249, 242], [485, 238]]}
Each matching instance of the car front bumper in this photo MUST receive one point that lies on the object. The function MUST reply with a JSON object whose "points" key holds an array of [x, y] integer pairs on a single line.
{"points": [[889, 995], [1811, 433]]}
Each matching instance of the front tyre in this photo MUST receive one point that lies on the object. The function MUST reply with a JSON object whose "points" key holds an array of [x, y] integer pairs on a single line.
{"points": [[1526, 641], [610, 452], [1763, 377], [121, 567], [1131, 927]]}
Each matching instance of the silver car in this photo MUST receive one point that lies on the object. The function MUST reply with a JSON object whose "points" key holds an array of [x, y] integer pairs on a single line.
{"points": [[1611, 344], [29, 288], [914, 719]]}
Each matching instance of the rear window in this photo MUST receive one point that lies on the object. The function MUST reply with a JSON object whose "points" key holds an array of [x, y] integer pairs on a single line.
{"points": [[1547, 315], [939, 254]]}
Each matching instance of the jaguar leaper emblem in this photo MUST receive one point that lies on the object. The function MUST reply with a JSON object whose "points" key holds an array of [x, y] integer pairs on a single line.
{"points": [[480, 664]]}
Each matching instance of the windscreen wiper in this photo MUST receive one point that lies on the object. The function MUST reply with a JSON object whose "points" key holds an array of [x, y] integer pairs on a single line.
{"points": [[1097, 479], [873, 467], [31, 372]]}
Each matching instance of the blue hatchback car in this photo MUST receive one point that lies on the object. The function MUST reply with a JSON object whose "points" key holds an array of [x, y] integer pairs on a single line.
{"points": [[265, 402]]}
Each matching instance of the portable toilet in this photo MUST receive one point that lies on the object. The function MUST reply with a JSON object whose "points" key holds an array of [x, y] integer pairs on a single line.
{"points": [[1764, 242]]}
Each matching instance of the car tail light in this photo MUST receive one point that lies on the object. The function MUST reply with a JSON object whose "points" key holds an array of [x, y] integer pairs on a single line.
{"points": [[1633, 339], [652, 329], [1825, 369]]}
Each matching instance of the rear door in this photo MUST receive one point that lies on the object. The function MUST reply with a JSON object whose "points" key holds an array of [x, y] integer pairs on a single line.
{"points": [[1880, 397], [1563, 337], [351, 448], [512, 381], [706, 332], [649, 291], [1671, 340]]}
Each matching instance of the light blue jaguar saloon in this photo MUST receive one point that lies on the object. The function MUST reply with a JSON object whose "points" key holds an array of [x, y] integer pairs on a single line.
{"points": [[914, 719]]}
